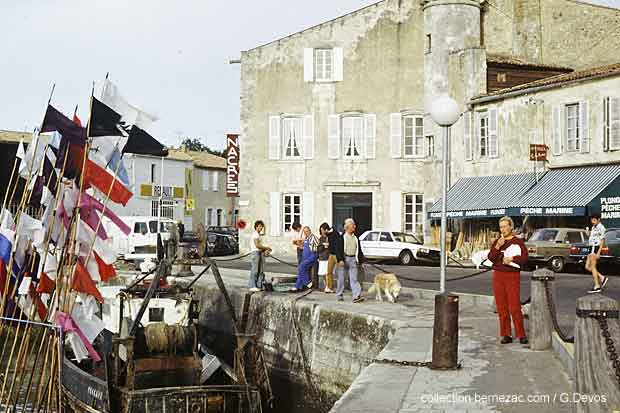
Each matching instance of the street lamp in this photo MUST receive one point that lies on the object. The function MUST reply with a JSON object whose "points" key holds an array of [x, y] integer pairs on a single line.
{"points": [[445, 112]]}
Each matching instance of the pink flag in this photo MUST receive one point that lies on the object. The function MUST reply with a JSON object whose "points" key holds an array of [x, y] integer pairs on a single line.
{"points": [[67, 325]]}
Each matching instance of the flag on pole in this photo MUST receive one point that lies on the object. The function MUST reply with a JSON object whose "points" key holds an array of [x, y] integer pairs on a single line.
{"points": [[55, 121], [46, 284], [83, 283], [97, 177], [131, 115]]}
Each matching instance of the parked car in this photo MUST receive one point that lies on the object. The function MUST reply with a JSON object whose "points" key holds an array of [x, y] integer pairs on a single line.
{"points": [[551, 247], [407, 248], [224, 230], [221, 244], [610, 253]]}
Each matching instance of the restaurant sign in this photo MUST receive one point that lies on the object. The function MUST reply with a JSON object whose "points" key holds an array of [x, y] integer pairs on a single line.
{"points": [[548, 211]]}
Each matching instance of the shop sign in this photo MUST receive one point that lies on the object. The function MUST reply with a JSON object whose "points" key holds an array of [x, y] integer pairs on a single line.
{"points": [[610, 207], [548, 211], [478, 213], [538, 152], [232, 165]]}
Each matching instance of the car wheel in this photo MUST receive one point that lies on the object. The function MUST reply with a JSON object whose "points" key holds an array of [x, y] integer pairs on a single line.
{"points": [[556, 264], [406, 258]]}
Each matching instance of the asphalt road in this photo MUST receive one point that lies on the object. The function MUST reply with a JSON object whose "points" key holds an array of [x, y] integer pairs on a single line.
{"points": [[569, 286]]}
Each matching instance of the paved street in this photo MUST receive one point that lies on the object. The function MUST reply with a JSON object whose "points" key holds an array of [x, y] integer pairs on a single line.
{"points": [[570, 286]]}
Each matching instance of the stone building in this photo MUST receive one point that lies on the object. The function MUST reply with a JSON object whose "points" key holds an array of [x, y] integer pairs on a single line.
{"points": [[334, 119]]}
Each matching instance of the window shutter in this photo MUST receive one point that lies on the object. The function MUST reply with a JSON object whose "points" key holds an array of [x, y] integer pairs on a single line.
{"points": [[396, 134], [338, 63], [308, 65], [333, 136], [214, 216], [224, 219], [275, 212], [556, 131], [614, 123], [370, 130], [205, 180], [584, 119], [467, 136], [308, 134], [396, 211], [274, 137], [307, 209], [216, 183], [493, 139]]}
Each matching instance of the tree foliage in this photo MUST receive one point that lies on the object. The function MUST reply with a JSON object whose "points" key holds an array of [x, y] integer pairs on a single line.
{"points": [[194, 144]]}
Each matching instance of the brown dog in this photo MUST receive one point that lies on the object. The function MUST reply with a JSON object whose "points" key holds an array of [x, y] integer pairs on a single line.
{"points": [[388, 284]]}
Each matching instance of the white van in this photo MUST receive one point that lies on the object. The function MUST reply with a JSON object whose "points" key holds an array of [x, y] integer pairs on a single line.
{"points": [[142, 240]]}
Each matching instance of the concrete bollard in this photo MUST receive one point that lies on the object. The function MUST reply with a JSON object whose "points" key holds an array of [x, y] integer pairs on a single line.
{"points": [[541, 326], [446, 332], [595, 374]]}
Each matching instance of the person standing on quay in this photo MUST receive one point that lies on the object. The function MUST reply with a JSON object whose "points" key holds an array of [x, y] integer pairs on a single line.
{"points": [[508, 254], [349, 255], [327, 252], [308, 259], [298, 240], [596, 242], [257, 249]]}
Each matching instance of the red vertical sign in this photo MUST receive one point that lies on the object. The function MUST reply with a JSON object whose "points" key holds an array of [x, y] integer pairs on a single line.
{"points": [[232, 165]]}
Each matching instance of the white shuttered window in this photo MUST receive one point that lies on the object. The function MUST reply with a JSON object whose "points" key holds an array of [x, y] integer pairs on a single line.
{"points": [[611, 107], [353, 136], [413, 136], [414, 213], [323, 64], [493, 135], [205, 180], [483, 134], [291, 210]]}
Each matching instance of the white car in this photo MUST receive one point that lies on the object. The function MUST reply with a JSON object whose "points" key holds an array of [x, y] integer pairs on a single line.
{"points": [[392, 245]]}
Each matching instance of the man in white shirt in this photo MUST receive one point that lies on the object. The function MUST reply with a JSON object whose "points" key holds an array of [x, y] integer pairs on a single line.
{"points": [[257, 249], [596, 242], [349, 255], [298, 240]]}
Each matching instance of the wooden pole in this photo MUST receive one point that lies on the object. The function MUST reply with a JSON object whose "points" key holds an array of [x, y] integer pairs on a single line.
{"points": [[541, 326], [594, 370]]}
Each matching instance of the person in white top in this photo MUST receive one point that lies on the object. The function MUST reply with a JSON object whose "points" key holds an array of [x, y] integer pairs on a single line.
{"points": [[298, 240], [257, 251], [596, 242]]}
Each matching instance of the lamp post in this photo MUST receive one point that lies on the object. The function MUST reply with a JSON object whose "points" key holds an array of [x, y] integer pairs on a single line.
{"points": [[445, 112]]}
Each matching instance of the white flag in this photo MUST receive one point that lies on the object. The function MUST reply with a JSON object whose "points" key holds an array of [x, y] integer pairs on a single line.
{"points": [[7, 220], [130, 114]]}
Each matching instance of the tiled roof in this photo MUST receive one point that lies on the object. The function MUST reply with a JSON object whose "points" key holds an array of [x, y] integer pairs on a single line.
{"points": [[207, 160], [7, 136], [179, 155], [513, 61], [597, 72]]}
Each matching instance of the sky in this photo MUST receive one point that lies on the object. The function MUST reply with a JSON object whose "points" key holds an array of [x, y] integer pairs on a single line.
{"points": [[168, 57]]}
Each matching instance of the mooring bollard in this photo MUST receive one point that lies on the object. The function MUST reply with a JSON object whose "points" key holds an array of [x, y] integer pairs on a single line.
{"points": [[186, 269], [446, 332], [597, 341], [541, 326]]}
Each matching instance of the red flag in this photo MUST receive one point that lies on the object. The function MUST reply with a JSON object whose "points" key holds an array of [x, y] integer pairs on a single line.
{"points": [[76, 120], [98, 177], [46, 284], [83, 283], [41, 308], [2, 276], [106, 271]]}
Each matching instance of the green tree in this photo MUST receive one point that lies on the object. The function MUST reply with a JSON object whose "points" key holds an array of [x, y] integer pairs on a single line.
{"points": [[194, 144]]}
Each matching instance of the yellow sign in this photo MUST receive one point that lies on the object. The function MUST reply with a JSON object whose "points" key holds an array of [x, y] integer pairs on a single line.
{"points": [[190, 205]]}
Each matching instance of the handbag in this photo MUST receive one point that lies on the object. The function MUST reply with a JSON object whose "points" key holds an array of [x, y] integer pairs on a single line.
{"points": [[322, 268]]}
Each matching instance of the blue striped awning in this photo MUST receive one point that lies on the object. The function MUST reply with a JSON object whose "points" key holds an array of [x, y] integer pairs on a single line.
{"points": [[569, 188], [485, 196]]}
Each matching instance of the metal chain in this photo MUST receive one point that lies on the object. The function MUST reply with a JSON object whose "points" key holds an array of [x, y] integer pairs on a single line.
{"points": [[431, 281], [426, 364], [552, 312], [609, 343]]}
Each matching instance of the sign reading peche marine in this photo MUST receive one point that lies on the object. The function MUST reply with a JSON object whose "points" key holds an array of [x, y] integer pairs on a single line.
{"points": [[232, 165]]}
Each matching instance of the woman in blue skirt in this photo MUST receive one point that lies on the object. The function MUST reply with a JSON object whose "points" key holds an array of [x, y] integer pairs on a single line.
{"points": [[308, 259]]}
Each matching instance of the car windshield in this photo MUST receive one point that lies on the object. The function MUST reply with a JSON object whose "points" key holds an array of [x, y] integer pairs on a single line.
{"points": [[408, 238], [544, 235]]}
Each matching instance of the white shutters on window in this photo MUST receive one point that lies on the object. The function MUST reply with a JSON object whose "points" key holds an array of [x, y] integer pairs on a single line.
{"points": [[213, 217], [274, 137], [493, 139], [338, 63], [308, 65], [469, 153], [370, 131], [308, 134], [275, 212], [205, 180], [307, 209], [207, 216], [612, 123], [556, 130], [396, 134], [216, 181], [333, 136], [584, 119], [396, 211]]}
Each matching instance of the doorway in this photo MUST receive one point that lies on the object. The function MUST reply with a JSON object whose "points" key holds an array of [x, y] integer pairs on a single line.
{"points": [[352, 205]]}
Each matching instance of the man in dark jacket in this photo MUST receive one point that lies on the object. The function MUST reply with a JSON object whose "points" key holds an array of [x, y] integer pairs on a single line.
{"points": [[349, 255]]}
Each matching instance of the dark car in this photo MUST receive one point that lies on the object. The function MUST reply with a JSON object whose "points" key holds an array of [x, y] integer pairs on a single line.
{"points": [[610, 253], [224, 230], [221, 244]]}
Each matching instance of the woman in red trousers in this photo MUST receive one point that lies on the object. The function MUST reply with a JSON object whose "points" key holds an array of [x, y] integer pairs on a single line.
{"points": [[508, 254]]}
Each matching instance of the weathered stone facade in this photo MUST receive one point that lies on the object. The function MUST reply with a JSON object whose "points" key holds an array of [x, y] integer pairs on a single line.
{"points": [[396, 55]]}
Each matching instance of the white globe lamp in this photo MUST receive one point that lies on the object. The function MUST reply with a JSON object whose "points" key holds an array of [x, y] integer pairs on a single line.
{"points": [[445, 111]]}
